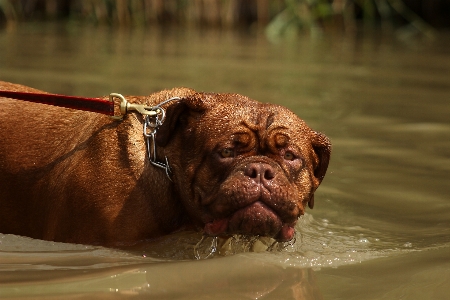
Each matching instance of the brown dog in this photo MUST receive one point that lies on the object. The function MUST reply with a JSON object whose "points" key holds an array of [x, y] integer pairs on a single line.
{"points": [[237, 166]]}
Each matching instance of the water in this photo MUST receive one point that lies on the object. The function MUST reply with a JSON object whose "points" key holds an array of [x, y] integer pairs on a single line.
{"points": [[380, 228]]}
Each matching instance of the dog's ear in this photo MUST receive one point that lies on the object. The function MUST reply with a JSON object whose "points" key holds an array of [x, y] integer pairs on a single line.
{"points": [[177, 115], [322, 148]]}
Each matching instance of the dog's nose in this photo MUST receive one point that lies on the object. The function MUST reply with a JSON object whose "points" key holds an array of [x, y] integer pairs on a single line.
{"points": [[259, 172]]}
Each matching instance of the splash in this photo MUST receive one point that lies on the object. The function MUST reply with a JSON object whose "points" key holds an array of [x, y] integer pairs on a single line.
{"points": [[202, 250], [209, 247], [317, 243]]}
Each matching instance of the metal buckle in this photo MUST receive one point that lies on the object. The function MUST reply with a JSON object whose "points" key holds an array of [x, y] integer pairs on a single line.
{"points": [[126, 106]]}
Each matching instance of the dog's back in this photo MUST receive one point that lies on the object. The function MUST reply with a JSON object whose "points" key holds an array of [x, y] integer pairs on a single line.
{"points": [[69, 175]]}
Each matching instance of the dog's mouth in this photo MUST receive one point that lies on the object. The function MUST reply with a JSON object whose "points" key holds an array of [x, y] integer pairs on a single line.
{"points": [[255, 219]]}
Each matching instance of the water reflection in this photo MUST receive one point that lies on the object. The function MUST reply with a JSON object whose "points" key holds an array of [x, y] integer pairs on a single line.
{"points": [[72, 269]]}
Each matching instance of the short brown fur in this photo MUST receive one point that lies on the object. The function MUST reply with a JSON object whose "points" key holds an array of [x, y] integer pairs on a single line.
{"points": [[80, 177]]}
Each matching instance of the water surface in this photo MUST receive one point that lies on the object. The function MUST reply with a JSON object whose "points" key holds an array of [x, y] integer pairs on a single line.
{"points": [[380, 228]]}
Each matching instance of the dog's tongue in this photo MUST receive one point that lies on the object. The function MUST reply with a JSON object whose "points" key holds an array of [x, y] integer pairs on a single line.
{"points": [[286, 233], [216, 227]]}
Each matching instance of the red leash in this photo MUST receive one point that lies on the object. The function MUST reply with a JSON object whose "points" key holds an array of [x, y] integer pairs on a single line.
{"points": [[88, 104], [154, 115], [97, 105]]}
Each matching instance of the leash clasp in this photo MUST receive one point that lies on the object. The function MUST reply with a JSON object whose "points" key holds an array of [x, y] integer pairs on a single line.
{"points": [[153, 118], [126, 106]]}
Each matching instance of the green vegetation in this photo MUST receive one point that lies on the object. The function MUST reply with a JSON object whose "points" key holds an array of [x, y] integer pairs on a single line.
{"points": [[277, 16]]}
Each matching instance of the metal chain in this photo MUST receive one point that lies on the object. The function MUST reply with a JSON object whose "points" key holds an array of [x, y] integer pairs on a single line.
{"points": [[151, 125]]}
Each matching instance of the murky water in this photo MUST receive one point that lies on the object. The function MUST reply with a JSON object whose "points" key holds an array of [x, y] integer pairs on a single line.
{"points": [[380, 228]]}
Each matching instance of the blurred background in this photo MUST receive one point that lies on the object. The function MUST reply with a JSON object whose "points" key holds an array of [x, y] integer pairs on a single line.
{"points": [[373, 75], [280, 15]]}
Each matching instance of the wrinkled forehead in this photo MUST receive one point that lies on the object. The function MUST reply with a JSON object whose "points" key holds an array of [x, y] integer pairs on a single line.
{"points": [[239, 113]]}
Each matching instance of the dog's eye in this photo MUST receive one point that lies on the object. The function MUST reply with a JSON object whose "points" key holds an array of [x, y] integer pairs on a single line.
{"points": [[289, 156], [225, 153]]}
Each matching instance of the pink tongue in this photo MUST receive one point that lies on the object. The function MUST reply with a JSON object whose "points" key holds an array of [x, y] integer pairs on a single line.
{"points": [[216, 227], [286, 233]]}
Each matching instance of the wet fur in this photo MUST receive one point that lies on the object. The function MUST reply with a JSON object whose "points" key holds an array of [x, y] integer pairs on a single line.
{"points": [[75, 176]]}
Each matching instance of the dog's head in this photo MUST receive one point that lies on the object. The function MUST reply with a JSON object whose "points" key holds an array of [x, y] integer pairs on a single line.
{"points": [[241, 166]]}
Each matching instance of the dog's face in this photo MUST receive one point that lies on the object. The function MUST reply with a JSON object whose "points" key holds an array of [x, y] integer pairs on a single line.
{"points": [[241, 166]]}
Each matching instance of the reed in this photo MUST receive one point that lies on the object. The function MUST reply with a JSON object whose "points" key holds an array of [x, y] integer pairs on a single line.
{"points": [[278, 16]]}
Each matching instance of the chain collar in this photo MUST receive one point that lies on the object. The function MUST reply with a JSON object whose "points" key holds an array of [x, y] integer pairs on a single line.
{"points": [[151, 125]]}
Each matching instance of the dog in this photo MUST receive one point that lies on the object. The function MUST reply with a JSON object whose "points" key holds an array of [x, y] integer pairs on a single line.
{"points": [[234, 166]]}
